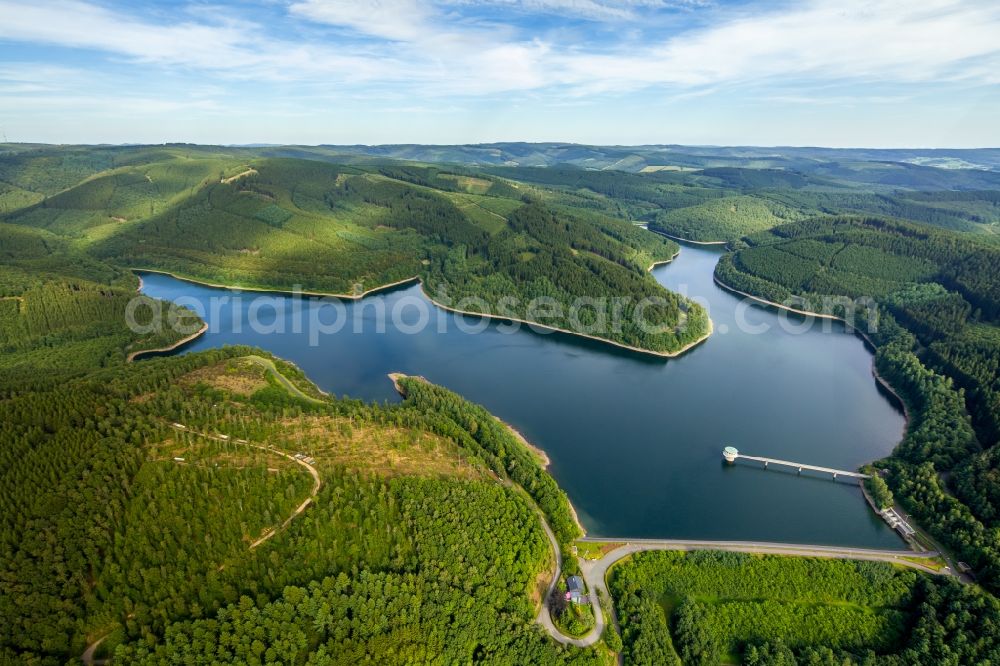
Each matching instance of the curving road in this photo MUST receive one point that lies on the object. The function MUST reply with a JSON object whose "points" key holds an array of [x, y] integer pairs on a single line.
{"points": [[88, 655], [595, 571]]}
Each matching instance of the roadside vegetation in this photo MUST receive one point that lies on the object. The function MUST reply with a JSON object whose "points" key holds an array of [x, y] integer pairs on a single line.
{"points": [[878, 490], [595, 550], [711, 607], [570, 618]]}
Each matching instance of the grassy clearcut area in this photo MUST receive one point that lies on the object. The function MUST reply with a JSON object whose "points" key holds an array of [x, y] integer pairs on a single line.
{"points": [[710, 607]]}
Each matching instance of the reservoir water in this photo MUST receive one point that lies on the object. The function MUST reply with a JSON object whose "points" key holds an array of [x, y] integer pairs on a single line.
{"points": [[634, 440]]}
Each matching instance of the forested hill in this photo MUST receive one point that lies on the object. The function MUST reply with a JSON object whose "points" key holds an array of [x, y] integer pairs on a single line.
{"points": [[654, 157], [726, 202], [281, 223], [159, 505], [938, 345], [117, 524], [62, 313]]}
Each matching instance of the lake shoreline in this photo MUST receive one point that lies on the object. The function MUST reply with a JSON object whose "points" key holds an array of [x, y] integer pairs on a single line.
{"points": [[162, 350], [543, 458], [902, 403], [861, 334], [555, 329], [664, 262], [417, 280], [280, 292], [699, 268]]}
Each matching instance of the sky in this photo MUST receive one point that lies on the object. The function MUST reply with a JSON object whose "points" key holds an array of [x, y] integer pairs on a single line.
{"points": [[866, 73]]}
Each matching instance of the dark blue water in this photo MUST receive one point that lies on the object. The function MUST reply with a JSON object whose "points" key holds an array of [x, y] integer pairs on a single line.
{"points": [[635, 441]]}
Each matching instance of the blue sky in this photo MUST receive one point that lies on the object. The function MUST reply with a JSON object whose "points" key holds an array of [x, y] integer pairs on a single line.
{"points": [[843, 73]]}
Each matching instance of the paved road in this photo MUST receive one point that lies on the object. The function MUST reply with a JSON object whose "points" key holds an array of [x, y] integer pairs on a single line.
{"points": [[595, 571], [805, 550], [544, 618]]}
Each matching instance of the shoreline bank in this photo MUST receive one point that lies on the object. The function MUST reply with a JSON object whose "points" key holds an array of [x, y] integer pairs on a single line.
{"points": [[663, 262], [194, 336], [902, 403], [535, 450], [857, 331], [417, 280], [555, 329], [280, 292], [543, 458]]}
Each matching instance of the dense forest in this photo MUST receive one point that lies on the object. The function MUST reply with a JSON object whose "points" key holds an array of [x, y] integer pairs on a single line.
{"points": [[724, 203], [63, 312], [161, 565], [935, 339], [708, 607], [723, 219], [557, 256], [175, 544]]}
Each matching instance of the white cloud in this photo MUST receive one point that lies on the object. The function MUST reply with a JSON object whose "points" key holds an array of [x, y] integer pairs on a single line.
{"points": [[117, 105], [889, 40], [589, 9], [410, 20], [79, 24], [885, 40], [236, 48], [404, 20], [840, 100], [429, 50]]}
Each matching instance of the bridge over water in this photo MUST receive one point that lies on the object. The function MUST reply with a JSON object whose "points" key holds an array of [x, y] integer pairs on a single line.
{"points": [[731, 454]]}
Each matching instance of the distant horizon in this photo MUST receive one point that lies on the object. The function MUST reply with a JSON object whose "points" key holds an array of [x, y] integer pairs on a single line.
{"points": [[264, 144]]}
